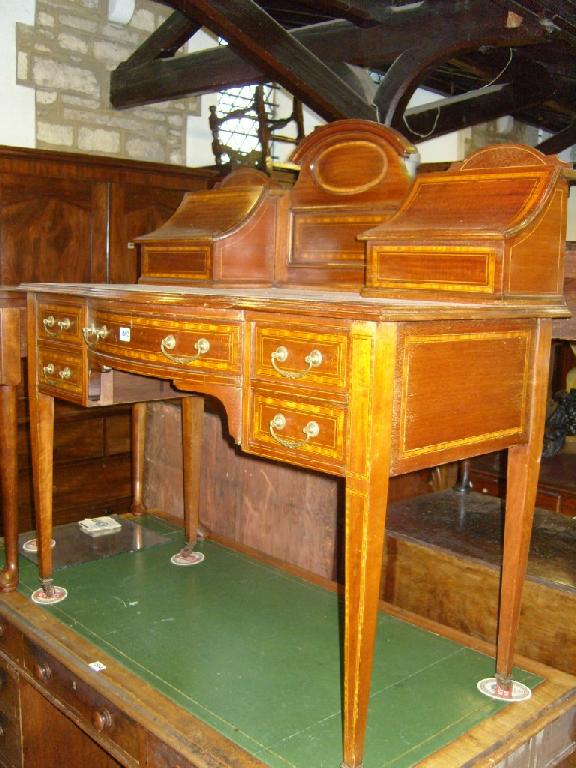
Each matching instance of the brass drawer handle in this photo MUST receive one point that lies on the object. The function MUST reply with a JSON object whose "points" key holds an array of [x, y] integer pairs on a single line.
{"points": [[168, 343], [49, 369], [65, 373], [280, 355], [49, 322], [93, 334], [311, 430]]}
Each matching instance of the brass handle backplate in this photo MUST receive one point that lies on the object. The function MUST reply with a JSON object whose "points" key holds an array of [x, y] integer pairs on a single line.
{"points": [[65, 373], [168, 343], [311, 430], [280, 355], [49, 322], [93, 334]]}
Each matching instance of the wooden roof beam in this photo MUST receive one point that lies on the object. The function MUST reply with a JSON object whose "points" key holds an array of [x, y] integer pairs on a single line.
{"points": [[255, 36], [410, 67], [489, 103], [359, 12], [165, 41], [340, 41], [559, 142], [554, 15]]}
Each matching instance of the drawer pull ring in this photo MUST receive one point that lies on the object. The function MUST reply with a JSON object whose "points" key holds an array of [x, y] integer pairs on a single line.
{"points": [[280, 355], [168, 343], [311, 430], [102, 719], [65, 373], [49, 369], [92, 334], [49, 323]]}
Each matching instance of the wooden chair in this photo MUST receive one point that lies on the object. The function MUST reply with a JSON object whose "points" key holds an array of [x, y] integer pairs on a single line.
{"points": [[260, 157]]}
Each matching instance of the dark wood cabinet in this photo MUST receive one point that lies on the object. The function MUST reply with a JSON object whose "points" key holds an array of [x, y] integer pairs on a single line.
{"points": [[73, 218]]}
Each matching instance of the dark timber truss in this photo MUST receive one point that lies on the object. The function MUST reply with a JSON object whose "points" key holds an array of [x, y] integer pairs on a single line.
{"points": [[484, 58]]}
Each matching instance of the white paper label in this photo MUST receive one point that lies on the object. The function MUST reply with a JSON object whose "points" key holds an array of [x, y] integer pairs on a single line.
{"points": [[97, 666], [124, 334]]}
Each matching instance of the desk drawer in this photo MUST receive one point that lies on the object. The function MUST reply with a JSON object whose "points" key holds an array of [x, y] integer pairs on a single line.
{"points": [[187, 345], [10, 742], [297, 428], [95, 713], [60, 369], [9, 705], [300, 354], [59, 322]]}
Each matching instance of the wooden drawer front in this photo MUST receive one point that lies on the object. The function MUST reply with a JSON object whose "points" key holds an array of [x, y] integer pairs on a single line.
{"points": [[8, 691], [469, 269], [296, 428], [60, 322], [174, 262], [96, 714], [10, 640], [10, 741], [161, 755], [188, 345], [300, 355], [60, 369]]}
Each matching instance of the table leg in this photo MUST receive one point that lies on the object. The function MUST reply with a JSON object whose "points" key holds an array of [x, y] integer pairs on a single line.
{"points": [[522, 481], [364, 539], [139, 411], [42, 439], [192, 430], [9, 485], [368, 469]]}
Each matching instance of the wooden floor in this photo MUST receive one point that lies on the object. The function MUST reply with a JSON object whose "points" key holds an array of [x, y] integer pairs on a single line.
{"points": [[253, 651]]}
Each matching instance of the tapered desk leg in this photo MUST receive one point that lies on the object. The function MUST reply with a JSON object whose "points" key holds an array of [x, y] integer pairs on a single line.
{"points": [[523, 472], [364, 538], [42, 439], [139, 411], [366, 501], [9, 485], [192, 430]]}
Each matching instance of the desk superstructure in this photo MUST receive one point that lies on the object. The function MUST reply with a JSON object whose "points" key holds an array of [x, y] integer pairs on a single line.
{"points": [[360, 379]]}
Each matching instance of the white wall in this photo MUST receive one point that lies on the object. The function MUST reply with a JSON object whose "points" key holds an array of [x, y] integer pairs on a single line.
{"points": [[446, 148], [18, 115]]}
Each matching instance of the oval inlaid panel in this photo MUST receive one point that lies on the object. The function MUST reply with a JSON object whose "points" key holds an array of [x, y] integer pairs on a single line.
{"points": [[364, 167]]}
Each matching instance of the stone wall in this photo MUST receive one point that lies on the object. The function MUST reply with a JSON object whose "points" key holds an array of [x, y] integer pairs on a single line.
{"points": [[67, 57]]}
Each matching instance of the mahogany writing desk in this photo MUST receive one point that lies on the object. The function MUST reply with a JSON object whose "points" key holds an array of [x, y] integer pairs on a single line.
{"points": [[427, 342], [358, 387]]}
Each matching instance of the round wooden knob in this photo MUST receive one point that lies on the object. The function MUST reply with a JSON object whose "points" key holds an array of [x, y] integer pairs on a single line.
{"points": [[42, 672], [102, 719]]}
